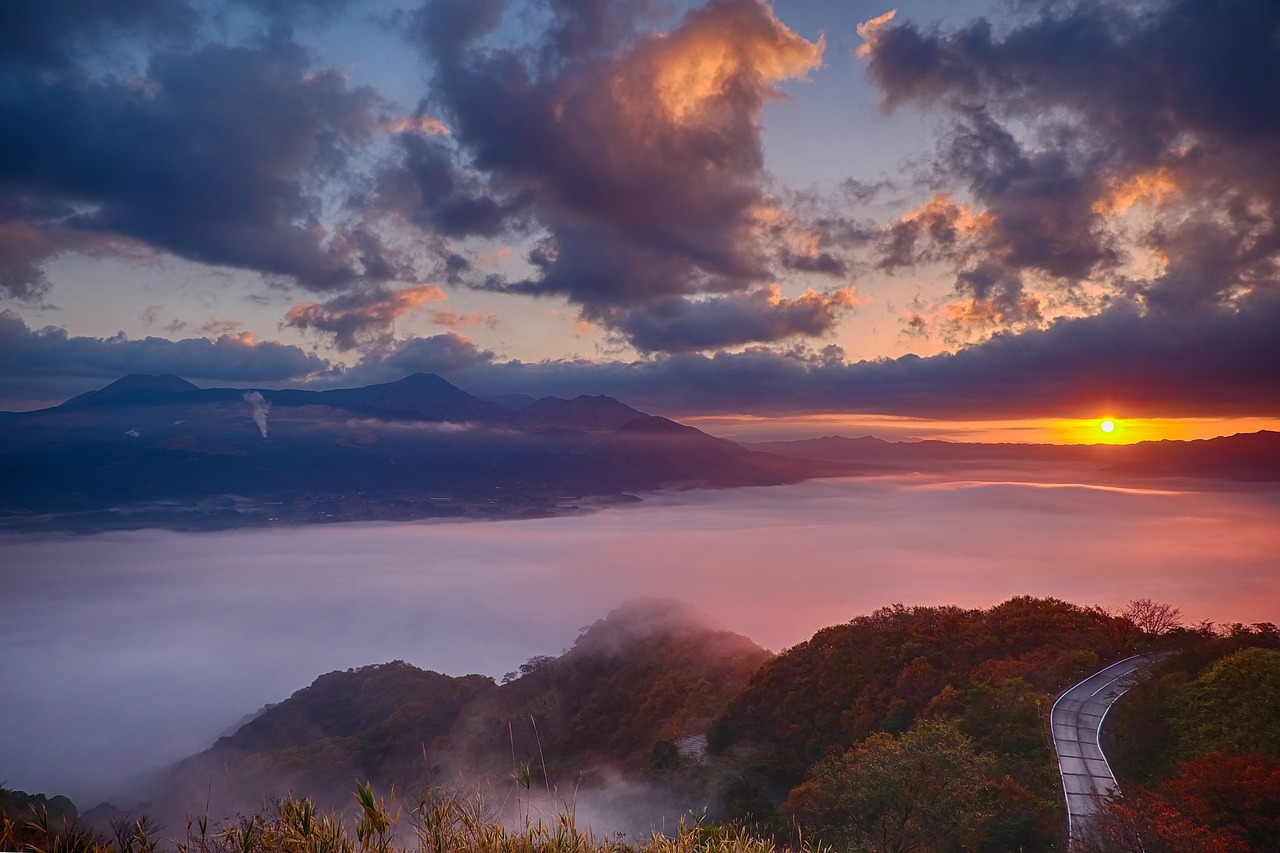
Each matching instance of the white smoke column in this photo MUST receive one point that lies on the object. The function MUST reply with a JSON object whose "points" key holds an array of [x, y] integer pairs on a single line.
{"points": [[260, 409]]}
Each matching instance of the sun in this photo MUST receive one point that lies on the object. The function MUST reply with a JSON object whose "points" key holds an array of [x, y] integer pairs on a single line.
{"points": [[1107, 426]]}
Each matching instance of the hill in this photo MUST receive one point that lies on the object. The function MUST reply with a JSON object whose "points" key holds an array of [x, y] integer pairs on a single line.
{"points": [[987, 675], [635, 683]]}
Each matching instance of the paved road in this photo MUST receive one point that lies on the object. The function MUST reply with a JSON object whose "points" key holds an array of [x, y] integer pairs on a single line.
{"points": [[1077, 719]]}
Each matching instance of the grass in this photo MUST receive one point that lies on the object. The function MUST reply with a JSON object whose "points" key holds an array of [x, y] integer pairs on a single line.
{"points": [[442, 821]]}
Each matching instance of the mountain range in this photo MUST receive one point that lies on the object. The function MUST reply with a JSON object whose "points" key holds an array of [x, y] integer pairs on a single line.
{"points": [[158, 451]]}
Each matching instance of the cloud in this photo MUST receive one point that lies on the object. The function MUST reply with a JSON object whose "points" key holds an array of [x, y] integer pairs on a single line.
{"points": [[763, 314], [1073, 115], [638, 154], [217, 155], [47, 366], [454, 320], [363, 318], [26, 243], [50, 33], [448, 355], [1219, 363]]}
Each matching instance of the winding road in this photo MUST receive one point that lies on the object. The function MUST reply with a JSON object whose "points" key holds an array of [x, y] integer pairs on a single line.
{"points": [[1076, 719]]}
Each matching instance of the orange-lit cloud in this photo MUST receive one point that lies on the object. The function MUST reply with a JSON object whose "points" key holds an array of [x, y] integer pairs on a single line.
{"points": [[798, 244], [1151, 187], [940, 229], [362, 318], [454, 320], [423, 124], [941, 212], [698, 67], [870, 31], [216, 326], [648, 171], [986, 312]]}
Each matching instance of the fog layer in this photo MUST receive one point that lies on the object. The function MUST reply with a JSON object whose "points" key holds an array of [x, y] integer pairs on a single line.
{"points": [[119, 652]]}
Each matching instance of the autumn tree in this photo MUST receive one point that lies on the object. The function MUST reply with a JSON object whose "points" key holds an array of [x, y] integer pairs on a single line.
{"points": [[1235, 794], [1150, 823]]}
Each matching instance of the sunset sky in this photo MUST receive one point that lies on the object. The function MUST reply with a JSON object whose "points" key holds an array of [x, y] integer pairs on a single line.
{"points": [[1003, 220]]}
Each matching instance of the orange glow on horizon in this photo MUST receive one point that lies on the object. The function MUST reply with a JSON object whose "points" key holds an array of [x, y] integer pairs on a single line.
{"points": [[1015, 431]]}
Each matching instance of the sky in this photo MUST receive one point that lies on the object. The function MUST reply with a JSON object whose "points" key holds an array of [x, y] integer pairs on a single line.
{"points": [[961, 218], [163, 641]]}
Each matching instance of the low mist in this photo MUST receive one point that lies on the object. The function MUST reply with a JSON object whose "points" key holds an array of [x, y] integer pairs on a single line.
{"points": [[120, 652]]}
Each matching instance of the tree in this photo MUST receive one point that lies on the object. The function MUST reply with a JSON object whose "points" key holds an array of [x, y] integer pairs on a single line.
{"points": [[1153, 617], [928, 790], [1233, 705], [1150, 823], [1237, 794]]}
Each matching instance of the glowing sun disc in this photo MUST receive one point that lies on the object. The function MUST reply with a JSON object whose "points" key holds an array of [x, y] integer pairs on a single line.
{"points": [[1107, 426]]}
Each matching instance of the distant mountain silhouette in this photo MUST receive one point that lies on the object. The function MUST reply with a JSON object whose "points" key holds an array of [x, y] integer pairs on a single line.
{"points": [[135, 388], [148, 451], [583, 412], [1241, 457], [422, 395]]}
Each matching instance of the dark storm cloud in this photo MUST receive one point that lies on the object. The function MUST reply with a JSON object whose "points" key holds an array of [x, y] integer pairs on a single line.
{"points": [[640, 155], [451, 355], [444, 354], [1218, 363], [1070, 116], [52, 31], [423, 183], [43, 367], [674, 324], [214, 155]]}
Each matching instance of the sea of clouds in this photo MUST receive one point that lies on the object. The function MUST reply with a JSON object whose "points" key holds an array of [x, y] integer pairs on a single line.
{"points": [[120, 652]]}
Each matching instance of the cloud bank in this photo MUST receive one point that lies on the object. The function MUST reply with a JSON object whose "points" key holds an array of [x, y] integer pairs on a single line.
{"points": [[254, 615]]}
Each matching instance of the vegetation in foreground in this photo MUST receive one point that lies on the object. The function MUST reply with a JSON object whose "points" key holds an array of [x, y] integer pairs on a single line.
{"points": [[443, 821]]}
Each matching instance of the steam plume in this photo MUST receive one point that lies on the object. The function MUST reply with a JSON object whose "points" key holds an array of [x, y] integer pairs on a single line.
{"points": [[260, 409]]}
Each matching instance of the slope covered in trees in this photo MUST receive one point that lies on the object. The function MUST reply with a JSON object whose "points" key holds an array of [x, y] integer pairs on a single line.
{"points": [[918, 728], [837, 710], [636, 682], [1196, 748]]}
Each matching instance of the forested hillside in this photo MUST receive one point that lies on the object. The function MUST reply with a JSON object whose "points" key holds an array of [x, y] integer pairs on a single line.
{"points": [[967, 689], [910, 728], [1196, 747]]}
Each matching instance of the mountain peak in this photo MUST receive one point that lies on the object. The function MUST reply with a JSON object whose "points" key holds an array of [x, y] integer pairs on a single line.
{"points": [[419, 395], [582, 412], [135, 386], [422, 380], [642, 618]]}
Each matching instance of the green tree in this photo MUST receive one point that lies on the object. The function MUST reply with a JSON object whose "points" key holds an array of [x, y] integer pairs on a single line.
{"points": [[928, 790], [1234, 705]]}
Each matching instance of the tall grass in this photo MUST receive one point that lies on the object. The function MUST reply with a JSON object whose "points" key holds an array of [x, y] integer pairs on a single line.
{"points": [[442, 821]]}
